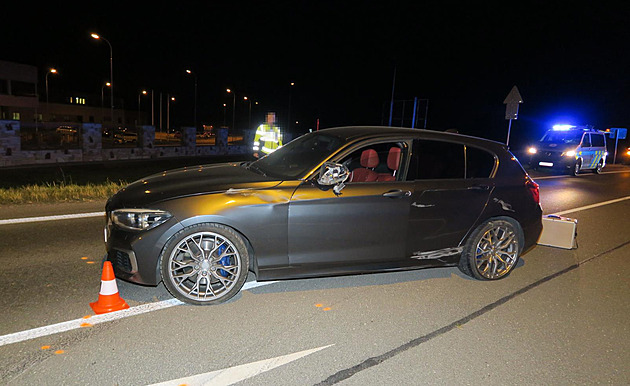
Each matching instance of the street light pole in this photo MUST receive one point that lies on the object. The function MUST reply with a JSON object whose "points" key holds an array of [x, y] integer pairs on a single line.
{"points": [[51, 71], [168, 112], [111, 69], [143, 92], [233, 107], [107, 84], [249, 126], [195, 110], [289, 113]]}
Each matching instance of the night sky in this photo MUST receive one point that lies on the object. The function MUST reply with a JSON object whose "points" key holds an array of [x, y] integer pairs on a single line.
{"points": [[570, 62]]}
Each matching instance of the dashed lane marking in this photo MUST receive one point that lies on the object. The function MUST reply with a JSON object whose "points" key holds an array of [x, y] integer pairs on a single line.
{"points": [[592, 206], [51, 218]]}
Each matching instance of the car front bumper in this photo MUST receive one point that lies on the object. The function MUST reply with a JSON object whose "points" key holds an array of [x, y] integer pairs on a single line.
{"points": [[135, 255]]}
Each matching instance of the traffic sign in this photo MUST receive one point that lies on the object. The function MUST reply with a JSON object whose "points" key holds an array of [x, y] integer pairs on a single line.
{"points": [[512, 101], [618, 133]]}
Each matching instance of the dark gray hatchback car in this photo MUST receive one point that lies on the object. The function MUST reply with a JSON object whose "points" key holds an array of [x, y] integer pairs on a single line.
{"points": [[339, 201]]}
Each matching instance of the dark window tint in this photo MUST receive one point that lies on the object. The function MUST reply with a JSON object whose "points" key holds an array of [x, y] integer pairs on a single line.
{"points": [[586, 141], [479, 163], [597, 140], [436, 160]]}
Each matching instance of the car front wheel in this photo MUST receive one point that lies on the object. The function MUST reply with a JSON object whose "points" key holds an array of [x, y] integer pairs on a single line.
{"points": [[576, 167], [205, 264], [492, 250]]}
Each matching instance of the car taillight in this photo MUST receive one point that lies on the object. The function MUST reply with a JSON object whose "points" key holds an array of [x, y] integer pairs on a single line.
{"points": [[534, 189]]}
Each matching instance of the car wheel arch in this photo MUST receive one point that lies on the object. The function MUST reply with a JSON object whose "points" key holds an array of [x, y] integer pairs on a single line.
{"points": [[512, 220]]}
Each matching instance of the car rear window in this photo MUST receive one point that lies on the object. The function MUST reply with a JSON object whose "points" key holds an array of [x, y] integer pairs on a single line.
{"points": [[436, 160], [479, 163]]}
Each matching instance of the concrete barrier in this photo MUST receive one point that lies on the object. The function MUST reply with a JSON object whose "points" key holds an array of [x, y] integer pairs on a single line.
{"points": [[91, 149]]}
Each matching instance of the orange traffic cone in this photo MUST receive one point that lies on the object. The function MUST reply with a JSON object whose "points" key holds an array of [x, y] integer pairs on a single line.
{"points": [[108, 298]]}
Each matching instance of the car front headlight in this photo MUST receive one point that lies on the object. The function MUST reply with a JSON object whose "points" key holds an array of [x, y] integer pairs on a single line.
{"points": [[139, 219], [570, 153], [532, 150]]}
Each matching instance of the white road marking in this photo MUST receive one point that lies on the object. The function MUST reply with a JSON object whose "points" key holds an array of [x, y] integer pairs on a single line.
{"points": [[568, 176], [102, 318], [95, 319], [232, 375], [51, 218], [591, 206]]}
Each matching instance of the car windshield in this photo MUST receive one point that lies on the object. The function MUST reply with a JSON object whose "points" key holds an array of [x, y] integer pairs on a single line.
{"points": [[559, 137], [298, 156]]}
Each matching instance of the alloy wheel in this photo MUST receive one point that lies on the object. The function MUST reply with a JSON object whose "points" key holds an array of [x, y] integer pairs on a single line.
{"points": [[204, 266], [496, 252]]}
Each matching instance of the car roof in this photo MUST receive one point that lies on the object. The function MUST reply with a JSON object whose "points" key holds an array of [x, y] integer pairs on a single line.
{"points": [[353, 133]]}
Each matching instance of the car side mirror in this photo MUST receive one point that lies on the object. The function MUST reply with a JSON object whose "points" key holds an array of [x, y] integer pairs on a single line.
{"points": [[333, 174]]}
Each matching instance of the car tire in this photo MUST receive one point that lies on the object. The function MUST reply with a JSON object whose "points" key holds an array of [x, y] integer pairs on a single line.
{"points": [[205, 264], [492, 250], [577, 166], [598, 169]]}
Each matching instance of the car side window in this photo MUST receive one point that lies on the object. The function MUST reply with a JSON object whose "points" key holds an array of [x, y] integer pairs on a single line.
{"points": [[586, 140], [597, 140], [479, 163], [378, 162], [436, 160]]}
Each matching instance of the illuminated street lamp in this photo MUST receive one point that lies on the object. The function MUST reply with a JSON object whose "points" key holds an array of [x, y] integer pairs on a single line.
{"points": [[224, 108], [111, 68], [233, 106], [195, 111]]}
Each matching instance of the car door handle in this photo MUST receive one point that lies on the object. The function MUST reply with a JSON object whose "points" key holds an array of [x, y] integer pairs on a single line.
{"points": [[478, 187], [397, 193]]}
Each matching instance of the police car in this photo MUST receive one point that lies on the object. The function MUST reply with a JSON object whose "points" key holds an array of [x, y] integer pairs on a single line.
{"points": [[572, 148]]}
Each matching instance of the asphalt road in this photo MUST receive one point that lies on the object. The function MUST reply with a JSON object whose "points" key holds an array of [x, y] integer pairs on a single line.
{"points": [[560, 318]]}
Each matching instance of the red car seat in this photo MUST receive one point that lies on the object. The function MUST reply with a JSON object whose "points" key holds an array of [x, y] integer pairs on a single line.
{"points": [[369, 160], [393, 162]]}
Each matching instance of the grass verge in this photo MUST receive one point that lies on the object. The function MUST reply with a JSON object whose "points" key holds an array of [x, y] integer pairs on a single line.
{"points": [[53, 192]]}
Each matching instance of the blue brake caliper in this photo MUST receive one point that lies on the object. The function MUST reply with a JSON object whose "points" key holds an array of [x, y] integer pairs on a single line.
{"points": [[225, 261]]}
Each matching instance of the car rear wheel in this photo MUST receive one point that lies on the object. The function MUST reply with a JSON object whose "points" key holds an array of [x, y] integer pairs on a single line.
{"points": [[598, 169], [205, 264], [492, 250]]}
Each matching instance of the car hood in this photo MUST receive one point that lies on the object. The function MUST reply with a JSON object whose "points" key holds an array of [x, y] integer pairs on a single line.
{"points": [[188, 181]]}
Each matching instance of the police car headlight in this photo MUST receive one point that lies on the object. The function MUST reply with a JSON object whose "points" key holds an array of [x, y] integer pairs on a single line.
{"points": [[139, 219], [570, 153]]}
